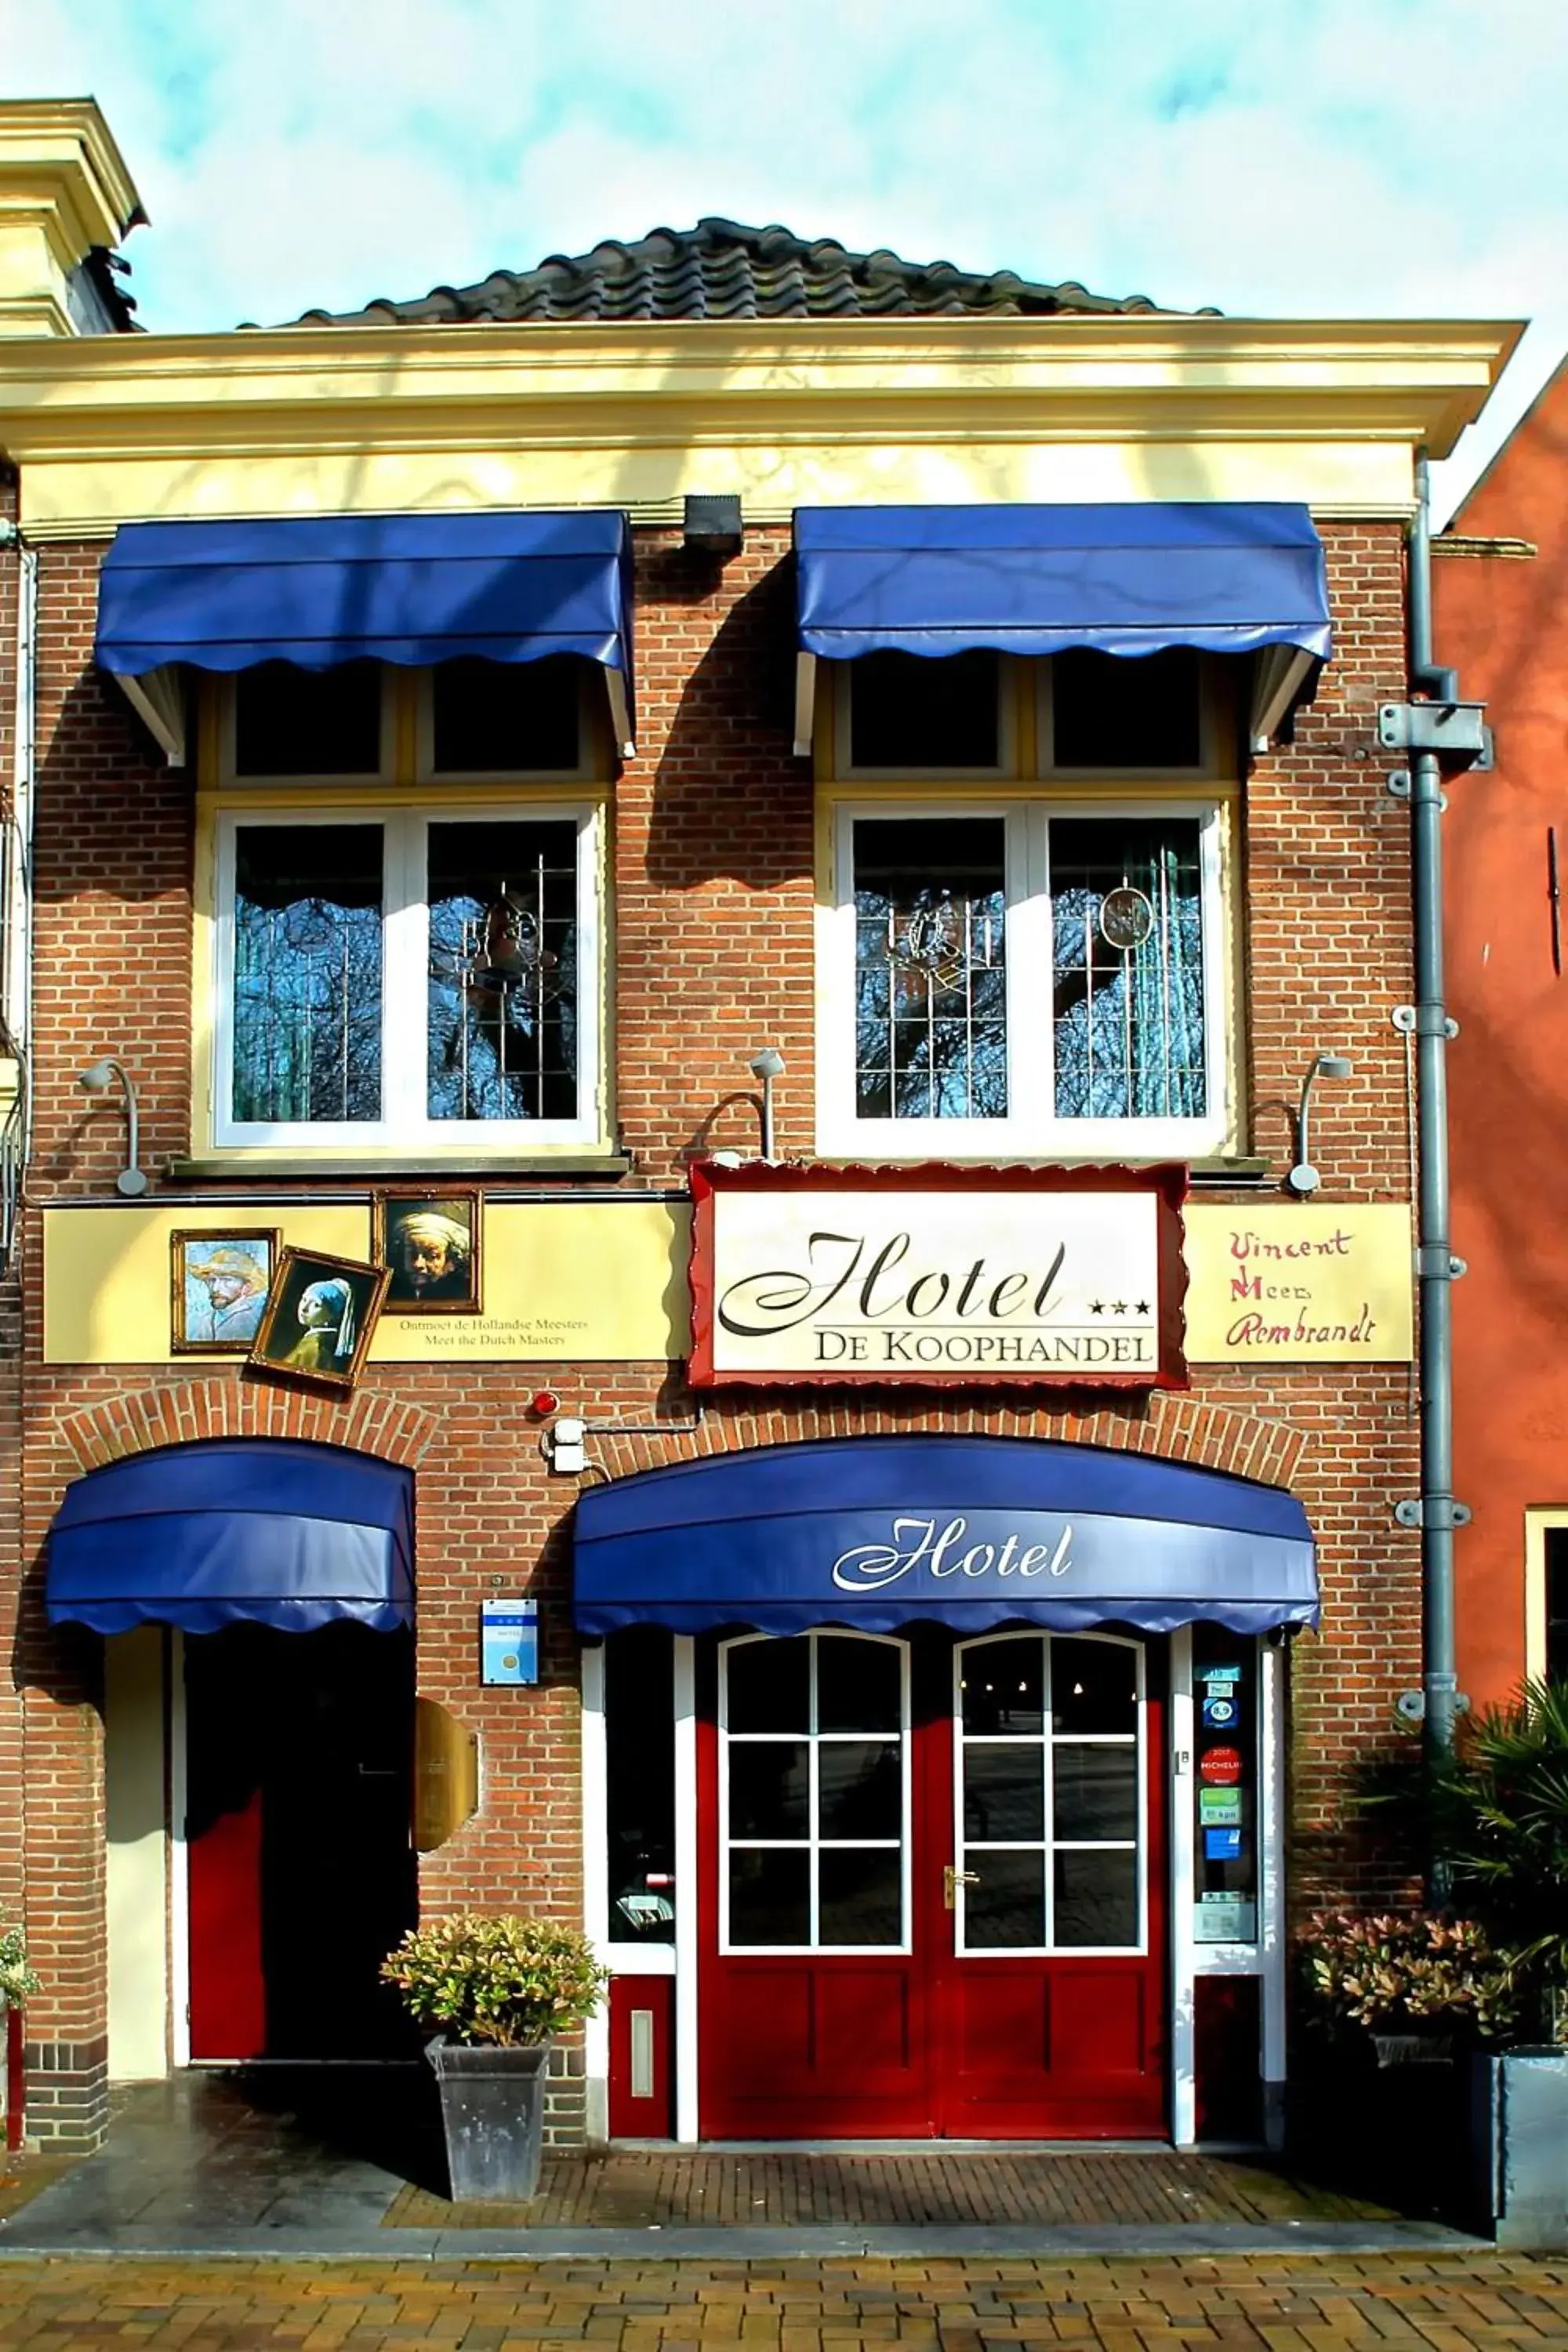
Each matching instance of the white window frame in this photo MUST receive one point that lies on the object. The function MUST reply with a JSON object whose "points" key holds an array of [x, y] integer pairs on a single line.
{"points": [[405, 1126], [1031, 1128], [1049, 1845], [814, 1842]]}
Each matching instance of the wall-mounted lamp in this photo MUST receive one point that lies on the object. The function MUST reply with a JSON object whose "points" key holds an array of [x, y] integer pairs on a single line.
{"points": [[712, 525], [766, 1065], [98, 1081], [1304, 1178]]}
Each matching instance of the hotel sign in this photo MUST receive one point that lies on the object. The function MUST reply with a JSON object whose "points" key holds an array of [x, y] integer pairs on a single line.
{"points": [[937, 1275]]}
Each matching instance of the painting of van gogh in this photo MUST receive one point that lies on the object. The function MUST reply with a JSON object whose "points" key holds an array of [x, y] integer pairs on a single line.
{"points": [[218, 1285]]}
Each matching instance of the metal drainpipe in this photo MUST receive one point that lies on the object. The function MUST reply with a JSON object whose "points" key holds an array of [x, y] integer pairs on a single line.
{"points": [[1439, 1680]]}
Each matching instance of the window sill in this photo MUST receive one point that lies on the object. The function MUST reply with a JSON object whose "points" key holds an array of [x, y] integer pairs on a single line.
{"points": [[376, 1164]]}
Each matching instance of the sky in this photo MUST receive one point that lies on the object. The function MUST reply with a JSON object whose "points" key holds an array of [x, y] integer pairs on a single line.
{"points": [[1270, 157]]}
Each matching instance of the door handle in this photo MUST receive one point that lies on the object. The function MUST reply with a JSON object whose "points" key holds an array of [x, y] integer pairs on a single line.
{"points": [[951, 1880]]}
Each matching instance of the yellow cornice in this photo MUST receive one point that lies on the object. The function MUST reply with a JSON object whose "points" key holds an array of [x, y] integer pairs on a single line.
{"points": [[63, 146], [288, 419], [64, 189]]}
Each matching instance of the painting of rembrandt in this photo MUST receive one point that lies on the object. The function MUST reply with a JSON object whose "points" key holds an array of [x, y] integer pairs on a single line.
{"points": [[218, 1285], [429, 1243]]}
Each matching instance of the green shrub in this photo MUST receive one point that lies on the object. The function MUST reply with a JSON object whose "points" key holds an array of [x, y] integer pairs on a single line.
{"points": [[18, 1982], [1401, 1974], [484, 1977]]}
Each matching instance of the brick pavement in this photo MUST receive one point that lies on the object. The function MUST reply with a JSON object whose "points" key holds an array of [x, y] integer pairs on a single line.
{"points": [[642, 2188], [1276, 2304]]}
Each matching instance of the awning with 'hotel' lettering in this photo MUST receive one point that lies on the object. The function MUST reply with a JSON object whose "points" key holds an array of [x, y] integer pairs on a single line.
{"points": [[969, 1532]]}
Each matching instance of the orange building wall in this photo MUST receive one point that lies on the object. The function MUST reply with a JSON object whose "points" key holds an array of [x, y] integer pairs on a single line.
{"points": [[1503, 624]]}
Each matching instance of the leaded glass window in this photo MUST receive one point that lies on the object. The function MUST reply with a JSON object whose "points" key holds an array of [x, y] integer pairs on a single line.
{"points": [[930, 1014], [1127, 1018], [341, 941], [503, 971], [307, 921], [1040, 977]]}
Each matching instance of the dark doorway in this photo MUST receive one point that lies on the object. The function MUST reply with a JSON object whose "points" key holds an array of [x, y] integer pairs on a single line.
{"points": [[299, 1750]]}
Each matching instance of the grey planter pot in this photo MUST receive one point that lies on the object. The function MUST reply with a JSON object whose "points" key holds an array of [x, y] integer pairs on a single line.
{"points": [[493, 2112], [1519, 2146]]}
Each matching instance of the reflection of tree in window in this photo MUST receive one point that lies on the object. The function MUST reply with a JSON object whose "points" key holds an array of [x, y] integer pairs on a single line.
{"points": [[929, 969], [503, 972], [307, 972], [1128, 1023]]}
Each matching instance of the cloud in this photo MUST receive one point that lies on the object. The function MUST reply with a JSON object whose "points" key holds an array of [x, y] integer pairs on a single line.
{"points": [[1371, 156]]}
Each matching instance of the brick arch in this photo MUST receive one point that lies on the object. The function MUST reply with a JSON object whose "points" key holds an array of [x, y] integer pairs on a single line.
{"points": [[173, 1414], [1175, 1428]]}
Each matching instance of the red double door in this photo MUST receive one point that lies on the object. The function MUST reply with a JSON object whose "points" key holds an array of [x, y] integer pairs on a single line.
{"points": [[932, 1896]]}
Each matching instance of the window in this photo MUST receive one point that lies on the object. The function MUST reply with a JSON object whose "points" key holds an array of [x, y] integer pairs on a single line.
{"points": [[1555, 1660], [815, 1805], [499, 718], [1170, 713], [1026, 978], [344, 936], [288, 722], [639, 1785], [910, 714], [1049, 1802], [1123, 711]]}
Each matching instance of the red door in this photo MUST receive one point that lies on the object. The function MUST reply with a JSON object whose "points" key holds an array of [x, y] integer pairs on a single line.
{"points": [[1050, 1971], [301, 1873], [930, 1888]]}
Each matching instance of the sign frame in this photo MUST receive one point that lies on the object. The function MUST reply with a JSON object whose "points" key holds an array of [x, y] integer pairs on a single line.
{"points": [[1167, 1183]]}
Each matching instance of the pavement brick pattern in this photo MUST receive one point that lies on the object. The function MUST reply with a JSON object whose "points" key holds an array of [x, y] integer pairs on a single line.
{"points": [[1276, 2304], [633, 2188]]}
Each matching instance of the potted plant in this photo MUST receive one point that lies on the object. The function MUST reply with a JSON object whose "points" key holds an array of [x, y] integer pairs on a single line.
{"points": [[1396, 2000], [500, 1987], [1499, 1814], [19, 1983]]}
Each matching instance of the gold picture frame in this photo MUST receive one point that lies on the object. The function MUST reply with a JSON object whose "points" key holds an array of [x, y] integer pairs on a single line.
{"points": [[321, 1316], [219, 1279], [437, 1269]]}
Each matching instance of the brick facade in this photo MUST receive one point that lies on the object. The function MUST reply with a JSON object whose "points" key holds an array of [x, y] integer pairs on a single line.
{"points": [[713, 913]]}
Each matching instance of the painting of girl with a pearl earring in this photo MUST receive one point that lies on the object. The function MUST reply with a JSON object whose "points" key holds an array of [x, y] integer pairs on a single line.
{"points": [[321, 1313]]}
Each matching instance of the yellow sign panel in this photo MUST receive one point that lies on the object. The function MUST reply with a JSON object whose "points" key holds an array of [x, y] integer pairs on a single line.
{"points": [[570, 1281], [1285, 1283]]}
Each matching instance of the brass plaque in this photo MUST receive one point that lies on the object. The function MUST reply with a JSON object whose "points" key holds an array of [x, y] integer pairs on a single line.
{"points": [[445, 1775]]}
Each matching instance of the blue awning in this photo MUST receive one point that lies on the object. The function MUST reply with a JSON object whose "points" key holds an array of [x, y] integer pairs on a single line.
{"points": [[413, 589], [1130, 579], [968, 1531], [269, 1531]]}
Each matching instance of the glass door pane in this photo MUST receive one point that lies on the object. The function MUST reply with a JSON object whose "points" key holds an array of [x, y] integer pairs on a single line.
{"points": [[815, 1793], [1050, 1751]]}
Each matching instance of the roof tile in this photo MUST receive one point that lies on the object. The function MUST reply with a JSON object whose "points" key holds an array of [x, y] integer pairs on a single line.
{"points": [[720, 269]]}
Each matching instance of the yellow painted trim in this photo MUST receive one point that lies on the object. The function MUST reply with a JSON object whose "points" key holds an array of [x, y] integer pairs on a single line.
{"points": [[790, 413]]}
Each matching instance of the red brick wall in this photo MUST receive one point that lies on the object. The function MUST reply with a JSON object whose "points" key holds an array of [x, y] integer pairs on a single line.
{"points": [[713, 913]]}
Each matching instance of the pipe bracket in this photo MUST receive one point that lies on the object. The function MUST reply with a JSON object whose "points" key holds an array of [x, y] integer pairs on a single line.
{"points": [[1424, 1021], [1425, 1511], [1435, 1262]]}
